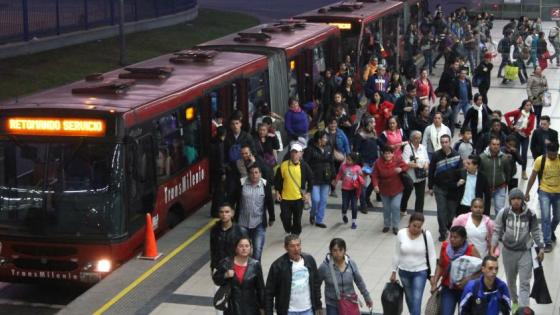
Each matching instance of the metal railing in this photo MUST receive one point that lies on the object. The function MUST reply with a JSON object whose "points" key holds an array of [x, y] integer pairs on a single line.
{"points": [[506, 9], [24, 20]]}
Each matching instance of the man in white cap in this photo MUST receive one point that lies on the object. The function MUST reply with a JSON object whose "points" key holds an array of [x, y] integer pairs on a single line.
{"points": [[293, 185]]}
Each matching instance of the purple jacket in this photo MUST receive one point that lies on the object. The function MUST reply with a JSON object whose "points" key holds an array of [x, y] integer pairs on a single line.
{"points": [[296, 123]]}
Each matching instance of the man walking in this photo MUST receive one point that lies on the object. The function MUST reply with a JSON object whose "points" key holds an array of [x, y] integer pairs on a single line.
{"points": [[542, 137], [497, 168], [441, 180], [547, 168], [293, 185], [517, 227], [487, 295], [254, 200], [293, 286], [472, 184]]}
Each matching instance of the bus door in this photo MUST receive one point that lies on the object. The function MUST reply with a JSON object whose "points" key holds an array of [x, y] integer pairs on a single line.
{"points": [[258, 95], [141, 182]]}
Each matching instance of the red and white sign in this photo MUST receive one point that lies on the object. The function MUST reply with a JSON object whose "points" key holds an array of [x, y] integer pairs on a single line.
{"points": [[555, 14]]}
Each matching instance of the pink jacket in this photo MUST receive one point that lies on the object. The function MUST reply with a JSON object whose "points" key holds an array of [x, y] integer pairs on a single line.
{"points": [[349, 174], [462, 219]]}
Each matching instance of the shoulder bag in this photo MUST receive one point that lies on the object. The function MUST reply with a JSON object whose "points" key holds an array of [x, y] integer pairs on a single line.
{"points": [[427, 256], [306, 204], [222, 296], [347, 302], [419, 172]]}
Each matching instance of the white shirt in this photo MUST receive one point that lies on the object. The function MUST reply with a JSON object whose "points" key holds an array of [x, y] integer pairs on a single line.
{"points": [[422, 159], [410, 255], [476, 235], [300, 299]]}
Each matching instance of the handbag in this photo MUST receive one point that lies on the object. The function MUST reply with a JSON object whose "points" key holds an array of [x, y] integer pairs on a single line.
{"points": [[419, 172], [338, 156], [511, 72], [434, 304], [222, 296], [407, 181], [546, 99], [347, 303]]}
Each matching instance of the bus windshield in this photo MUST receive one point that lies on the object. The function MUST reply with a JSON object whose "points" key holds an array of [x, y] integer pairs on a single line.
{"points": [[61, 189]]}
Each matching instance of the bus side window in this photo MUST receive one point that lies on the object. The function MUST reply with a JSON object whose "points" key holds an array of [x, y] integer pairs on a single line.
{"points": [[191, 137]]}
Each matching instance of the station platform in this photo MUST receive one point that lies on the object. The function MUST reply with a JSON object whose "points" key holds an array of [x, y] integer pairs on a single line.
{"points": [[180, 282]]}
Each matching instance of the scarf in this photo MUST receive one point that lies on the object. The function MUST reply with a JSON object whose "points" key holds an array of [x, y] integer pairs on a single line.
{"points": [[454, 254], [479, 120], [434, 137], [523, 119]]}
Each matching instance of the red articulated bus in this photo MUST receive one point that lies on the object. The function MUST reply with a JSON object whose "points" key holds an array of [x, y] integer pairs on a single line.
{"points": [[296, 50], [366, 29], [82, 164]]}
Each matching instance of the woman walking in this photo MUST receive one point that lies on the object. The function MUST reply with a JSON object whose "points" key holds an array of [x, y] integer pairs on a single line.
{"points": [[542, 52], [446, 112], [536, 87], [340, 272], [266, 144], [479, 227], [522, 122], [319, 157], [245, 276], [414, 260], [456, 247], [393, 137], [387, 181], [350, 174], [381, 111], [416, 155]]}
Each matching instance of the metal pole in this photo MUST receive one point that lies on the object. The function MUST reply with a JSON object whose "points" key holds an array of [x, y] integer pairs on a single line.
{"points": [[122, 42]]}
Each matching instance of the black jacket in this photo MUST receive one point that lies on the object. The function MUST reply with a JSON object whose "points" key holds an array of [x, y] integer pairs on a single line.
{"points": [[483, 72], [247, 297], [406, 119], [243, 139], [445, 85], [306, 177], [366, 146], [484, 139], [443, 170], [538, 146], [456, 90], [279, 284], [471, 120], [321, 163], [268, 203], [482, 189], [218, 161], [222, 242]]}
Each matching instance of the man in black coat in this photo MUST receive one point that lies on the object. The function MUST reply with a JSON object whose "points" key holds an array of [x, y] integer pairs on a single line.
{"points": [[472, 184], [223, 236], [236, 138], [542, 136], [447, 78], [293, 266], [406, 109]]}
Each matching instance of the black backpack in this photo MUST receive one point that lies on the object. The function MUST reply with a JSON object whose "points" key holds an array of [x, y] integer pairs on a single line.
{"points": [[503, 46]]}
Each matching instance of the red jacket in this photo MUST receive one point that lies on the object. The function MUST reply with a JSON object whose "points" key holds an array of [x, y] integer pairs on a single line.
{"points": [[381, 114], [515, 114], [425, 89], [385, 177]]}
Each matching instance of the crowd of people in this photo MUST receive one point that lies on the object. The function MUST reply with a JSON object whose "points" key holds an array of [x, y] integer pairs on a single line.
{"points": [[393, 143]]}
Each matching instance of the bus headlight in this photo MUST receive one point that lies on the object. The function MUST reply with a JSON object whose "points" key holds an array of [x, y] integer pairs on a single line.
{"points": [[103, 265]]}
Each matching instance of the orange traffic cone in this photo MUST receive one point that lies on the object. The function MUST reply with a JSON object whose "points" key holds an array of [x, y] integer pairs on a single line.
{"points": [[150, 245]]}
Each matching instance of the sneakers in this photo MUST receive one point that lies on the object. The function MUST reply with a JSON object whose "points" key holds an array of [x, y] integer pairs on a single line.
{"points": [[385, 230], [395, 230], [344, 219], [553, 237], [514, 308], [363, 210], [333, 194], [321, 225], [354, 226], [524, 175], [369, 204], [548, 248], [442, 238], [311, 220]]}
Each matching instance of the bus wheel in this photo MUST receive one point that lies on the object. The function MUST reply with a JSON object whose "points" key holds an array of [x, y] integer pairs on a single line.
{"points": [[174, 217]]}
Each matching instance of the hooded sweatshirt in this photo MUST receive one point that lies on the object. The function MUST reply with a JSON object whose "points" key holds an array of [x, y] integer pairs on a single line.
{"points": [[519, 231], [296, 122], [497, 169]]}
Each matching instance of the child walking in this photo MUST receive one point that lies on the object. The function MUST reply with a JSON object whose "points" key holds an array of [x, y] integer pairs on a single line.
{"points": [[350, 173]]}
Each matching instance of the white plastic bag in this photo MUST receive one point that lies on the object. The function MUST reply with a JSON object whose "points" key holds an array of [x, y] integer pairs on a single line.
{"points": [[464, 266]]}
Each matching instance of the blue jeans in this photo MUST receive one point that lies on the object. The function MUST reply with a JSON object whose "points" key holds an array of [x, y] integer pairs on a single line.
{"points": [[522, 146], [257, 236], [349, 200], [428, 63], [332, 310], [413, 284], [449, 300], [308, 312], [319, 197], [391, 210], [546, 201], [499, 197]]}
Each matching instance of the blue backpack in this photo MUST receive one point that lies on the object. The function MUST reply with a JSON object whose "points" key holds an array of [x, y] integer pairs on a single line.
{"points": [[234, 153]]}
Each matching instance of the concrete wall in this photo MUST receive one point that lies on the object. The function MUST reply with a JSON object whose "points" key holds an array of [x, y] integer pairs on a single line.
{"points": [[68, 39]]}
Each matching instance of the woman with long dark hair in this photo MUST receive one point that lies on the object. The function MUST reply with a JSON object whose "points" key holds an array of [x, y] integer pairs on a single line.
{"points": [[522, 122]]}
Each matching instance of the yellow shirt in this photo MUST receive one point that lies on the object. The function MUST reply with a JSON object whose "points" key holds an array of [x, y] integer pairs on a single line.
{"points": [[550, 181], [290, 188]]}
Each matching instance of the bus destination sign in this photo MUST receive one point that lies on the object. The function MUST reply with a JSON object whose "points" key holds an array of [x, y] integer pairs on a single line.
{"points": [[48, 126]]}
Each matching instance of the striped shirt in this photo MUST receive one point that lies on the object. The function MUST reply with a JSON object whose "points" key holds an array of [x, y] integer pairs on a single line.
{"points": [[251, 203]]}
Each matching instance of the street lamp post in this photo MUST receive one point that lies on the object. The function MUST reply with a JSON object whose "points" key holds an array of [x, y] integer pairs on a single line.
{"points": [[122, 42]]}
